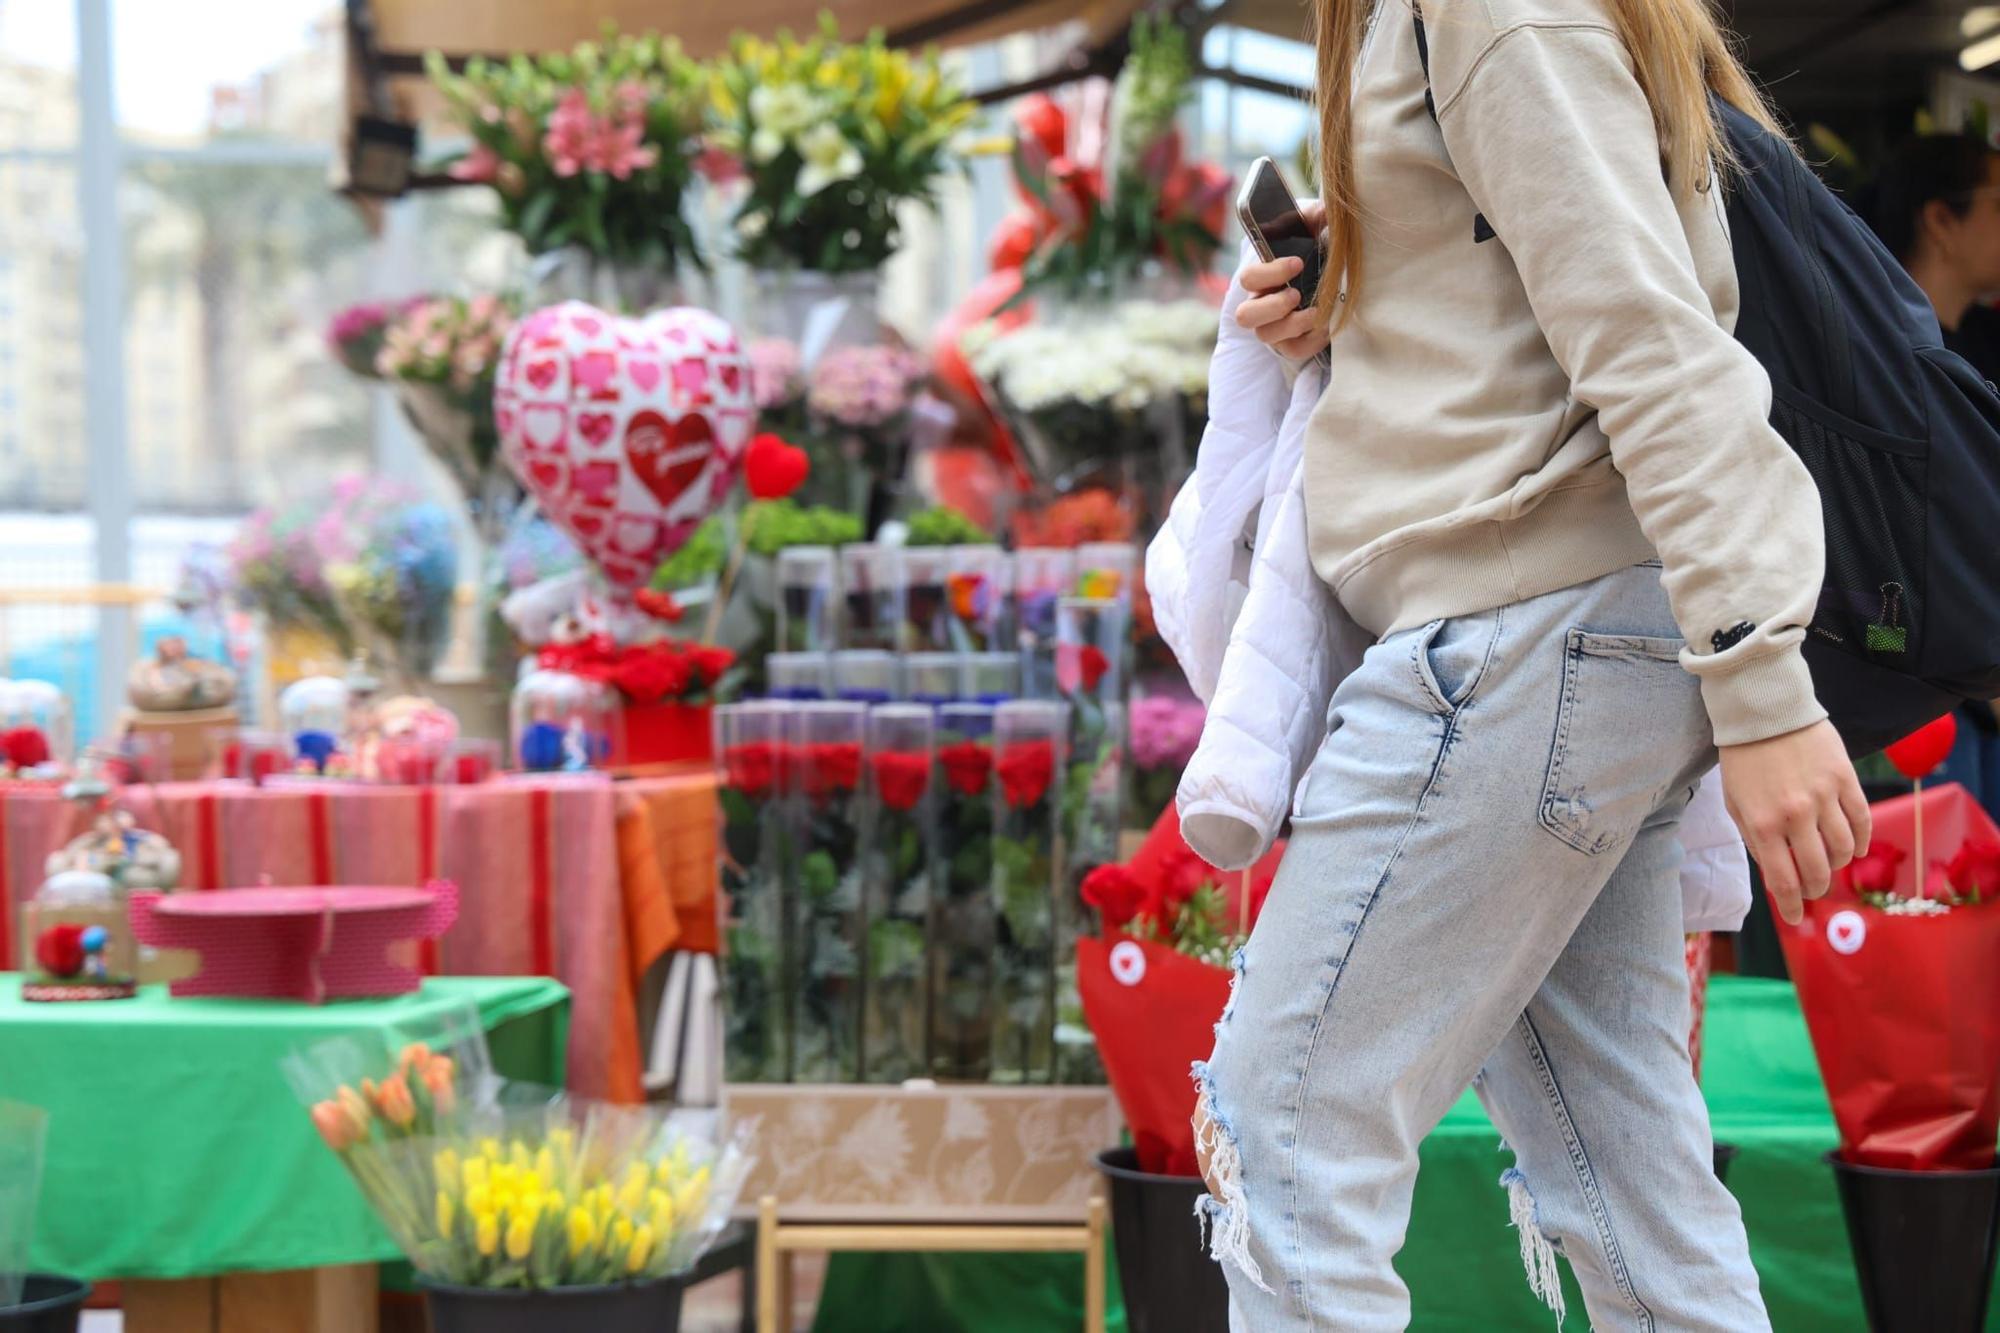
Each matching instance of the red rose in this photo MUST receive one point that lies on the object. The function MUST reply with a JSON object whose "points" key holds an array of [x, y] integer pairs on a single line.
{"points": [[657, 604], [25, 747], [59, 950], [1875, 872], [1026, 768], [648, 673], [901, 777], [1080, 666], [833, 766], [751, 769], [710, 662], [593, 658], [967, 765], [1976, 868], [1114, 893]]}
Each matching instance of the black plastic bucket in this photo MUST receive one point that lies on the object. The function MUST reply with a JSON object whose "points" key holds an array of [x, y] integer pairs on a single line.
{"points": [[628, 1307], [1170, 1283], [1725, 1153], [49, 1304], [1923, 1244]]}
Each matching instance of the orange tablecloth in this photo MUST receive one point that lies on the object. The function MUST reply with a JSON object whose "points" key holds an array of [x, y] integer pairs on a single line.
{"points": [[581, 879]]}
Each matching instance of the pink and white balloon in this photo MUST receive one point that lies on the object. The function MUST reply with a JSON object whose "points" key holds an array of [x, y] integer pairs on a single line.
{"points": [[628, 432]]}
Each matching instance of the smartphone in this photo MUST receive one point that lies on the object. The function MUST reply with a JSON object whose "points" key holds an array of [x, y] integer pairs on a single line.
{"points": [[1271, 218]]}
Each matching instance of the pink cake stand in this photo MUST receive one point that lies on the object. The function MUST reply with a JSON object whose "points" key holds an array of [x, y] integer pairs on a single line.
{"points": [[296, 944]]}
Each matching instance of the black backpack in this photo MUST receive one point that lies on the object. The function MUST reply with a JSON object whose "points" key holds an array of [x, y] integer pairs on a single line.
{"points": [[1901, 436]]}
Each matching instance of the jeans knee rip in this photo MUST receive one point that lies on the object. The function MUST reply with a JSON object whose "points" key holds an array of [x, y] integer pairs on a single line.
{"points": [[1223, 1212], [1538, 1254]]}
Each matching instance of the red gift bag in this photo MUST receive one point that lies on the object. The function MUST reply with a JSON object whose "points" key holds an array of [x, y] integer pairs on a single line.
{"points": [[1904, 1011], [1153, 1012]]}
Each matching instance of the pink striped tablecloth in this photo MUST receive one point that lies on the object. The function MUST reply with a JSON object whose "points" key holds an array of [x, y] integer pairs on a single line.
{"points": [[572, 878]]}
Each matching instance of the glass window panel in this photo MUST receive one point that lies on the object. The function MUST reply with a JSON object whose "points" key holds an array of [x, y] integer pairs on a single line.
{"points": [[267, 69], [42, 462], [37, 75]]}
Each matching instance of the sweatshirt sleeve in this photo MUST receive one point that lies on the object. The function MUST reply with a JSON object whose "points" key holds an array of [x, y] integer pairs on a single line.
{"points": [[1551, 136]]}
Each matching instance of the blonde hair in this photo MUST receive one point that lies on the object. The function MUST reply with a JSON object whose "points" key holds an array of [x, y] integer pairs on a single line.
{"points": [[1680, 54]]}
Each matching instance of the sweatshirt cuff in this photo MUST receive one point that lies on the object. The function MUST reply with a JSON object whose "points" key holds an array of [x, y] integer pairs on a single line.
{"points": [[1768, 696]]}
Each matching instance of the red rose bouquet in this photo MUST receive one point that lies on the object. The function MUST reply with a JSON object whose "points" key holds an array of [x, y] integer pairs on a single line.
{"points": [[755, 846], [826, 926], [1155, 982], [962, 918], [1028, 745], [897, 858], [1896, 974]]}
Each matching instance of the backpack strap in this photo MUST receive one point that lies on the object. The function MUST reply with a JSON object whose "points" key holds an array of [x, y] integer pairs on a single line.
{"points": [[1482, 230]]}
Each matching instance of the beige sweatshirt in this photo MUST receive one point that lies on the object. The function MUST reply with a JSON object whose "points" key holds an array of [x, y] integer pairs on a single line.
{"points": [[1510, 416]]}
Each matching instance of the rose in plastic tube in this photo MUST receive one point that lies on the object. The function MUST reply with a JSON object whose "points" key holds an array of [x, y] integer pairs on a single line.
{"points": [[805, 599], [977, 588], [897, 868], [866, 676], [1028, 755], [871, 596], [1090, 673], [755, 849], [925, 573], [961, 927], [824, 760], [1042, 576]]}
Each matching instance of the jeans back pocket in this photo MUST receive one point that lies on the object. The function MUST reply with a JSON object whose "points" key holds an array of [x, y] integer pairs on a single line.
{"points": [[1630, 720]]}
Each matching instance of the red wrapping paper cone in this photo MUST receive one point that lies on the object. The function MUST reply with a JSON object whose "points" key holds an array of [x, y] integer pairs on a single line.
{"points": [[1904, 1011], [1154, 1013]]}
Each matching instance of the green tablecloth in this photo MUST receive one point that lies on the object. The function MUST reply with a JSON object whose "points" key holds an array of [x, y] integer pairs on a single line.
{"points": [[1460, 1260], [175, 1147]]}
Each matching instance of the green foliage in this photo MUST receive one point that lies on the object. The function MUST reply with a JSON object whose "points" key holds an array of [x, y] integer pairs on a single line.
{"points": [[1200, 928], [701, 558], [942, 525], [769, 526]]}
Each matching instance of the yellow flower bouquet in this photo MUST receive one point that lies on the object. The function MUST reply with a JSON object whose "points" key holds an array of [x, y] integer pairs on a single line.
{"points": [[488, 1184], [831, 136]]}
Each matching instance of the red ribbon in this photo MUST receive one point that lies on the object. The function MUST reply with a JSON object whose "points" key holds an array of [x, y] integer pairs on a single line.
{"points": [[427, 870], [208, 841], [319, 838], [541, 929]]}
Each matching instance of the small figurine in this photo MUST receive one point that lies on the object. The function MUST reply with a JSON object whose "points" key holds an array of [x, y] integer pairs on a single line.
{"points": [[94, 940], [175, 681], [315, 712]]}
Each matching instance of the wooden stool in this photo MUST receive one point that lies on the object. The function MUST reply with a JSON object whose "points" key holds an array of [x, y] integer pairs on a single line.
{"points": [[778, 1241]]}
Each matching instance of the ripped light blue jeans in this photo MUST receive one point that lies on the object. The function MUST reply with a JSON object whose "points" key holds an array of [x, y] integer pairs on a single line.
{"points": [[1482, 888]]}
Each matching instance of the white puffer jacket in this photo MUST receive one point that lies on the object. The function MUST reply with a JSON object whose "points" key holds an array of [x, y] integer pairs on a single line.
{"points": [[1264, 642]]}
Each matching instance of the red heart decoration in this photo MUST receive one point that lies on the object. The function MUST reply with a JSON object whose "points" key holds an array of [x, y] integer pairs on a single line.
{"points": [[1918, 754], [773, 469], [595, 426], [666, 456], [541, 374], [547, 473]]}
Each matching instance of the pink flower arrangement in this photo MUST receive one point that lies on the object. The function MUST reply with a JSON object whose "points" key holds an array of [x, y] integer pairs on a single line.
{"points": [[445, 340], [863, 387], [775, 378], [611, 142], [1165, 731], [354, 335]]}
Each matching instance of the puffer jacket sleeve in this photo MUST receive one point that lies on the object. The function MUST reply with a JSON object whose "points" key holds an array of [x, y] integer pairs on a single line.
{"points": [[1715, 870], [1197, 567]]}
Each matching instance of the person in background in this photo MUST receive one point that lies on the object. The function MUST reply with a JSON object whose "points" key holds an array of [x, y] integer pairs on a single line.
{"points": [[1936, 205]]}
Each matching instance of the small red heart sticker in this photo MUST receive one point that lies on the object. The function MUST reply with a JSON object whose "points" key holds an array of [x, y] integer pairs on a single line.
{"points": [[773, 469]]}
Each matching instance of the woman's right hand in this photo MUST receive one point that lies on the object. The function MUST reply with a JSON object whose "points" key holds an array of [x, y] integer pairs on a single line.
{"points": [[1271, 311]]}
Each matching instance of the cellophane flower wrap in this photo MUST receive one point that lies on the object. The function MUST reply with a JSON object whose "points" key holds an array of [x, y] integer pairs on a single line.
{"points": [[756, 845], [978, 599], [1895, 972], [962, 934], [805, 602], [1155, 980], [826, 927], [901, 851], [1090, 676], [441, 353], [483, 1183], [924, 573], [394, 577], [274, 567], [1028, 756], [1043, 575], [871, 598]]}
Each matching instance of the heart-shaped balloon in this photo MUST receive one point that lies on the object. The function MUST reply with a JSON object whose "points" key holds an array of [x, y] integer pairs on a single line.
{"points": [[1918, 754], [628, 432]]}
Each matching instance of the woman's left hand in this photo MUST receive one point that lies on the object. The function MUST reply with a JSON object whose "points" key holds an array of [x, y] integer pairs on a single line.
{"points": [[1801, 811]]}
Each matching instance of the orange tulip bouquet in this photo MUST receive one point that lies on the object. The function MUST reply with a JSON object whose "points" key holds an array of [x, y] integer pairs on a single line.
{"points": [[491, 1187]]}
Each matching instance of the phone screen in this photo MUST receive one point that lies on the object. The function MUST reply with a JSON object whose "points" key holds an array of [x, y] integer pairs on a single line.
{"points": [[1270, 210]]}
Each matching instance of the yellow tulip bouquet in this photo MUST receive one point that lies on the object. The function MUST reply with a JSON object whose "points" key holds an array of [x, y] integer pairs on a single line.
{"points": [[486, 1183]]}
